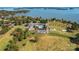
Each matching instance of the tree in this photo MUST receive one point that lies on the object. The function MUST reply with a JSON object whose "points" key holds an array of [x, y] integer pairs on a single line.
{"points": [[1, 22], [77, 35], [69, 29], [18, 34], [11, 46], [75, 26], [53, 19], [75, 39], [43, 21], [4, 29], [25, 33]]}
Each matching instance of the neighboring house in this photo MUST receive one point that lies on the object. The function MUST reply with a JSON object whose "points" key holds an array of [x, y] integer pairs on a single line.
{"points": [[38, 27], [1, 17], [8, 24]]}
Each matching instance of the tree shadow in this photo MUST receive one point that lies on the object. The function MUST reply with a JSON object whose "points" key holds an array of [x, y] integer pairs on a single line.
{"points": [[74, 40], [33, 41], [76, 49]]}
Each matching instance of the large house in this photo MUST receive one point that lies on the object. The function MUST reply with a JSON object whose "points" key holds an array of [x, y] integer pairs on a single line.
{"points": [[38, 27]]}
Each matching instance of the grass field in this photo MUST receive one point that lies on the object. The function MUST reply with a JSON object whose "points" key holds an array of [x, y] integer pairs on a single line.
{"points": [[49, 43], [53, 41], [7, 37]]}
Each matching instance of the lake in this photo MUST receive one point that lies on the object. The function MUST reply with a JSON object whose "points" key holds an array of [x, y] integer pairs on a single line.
{"points": [[67, 14]]}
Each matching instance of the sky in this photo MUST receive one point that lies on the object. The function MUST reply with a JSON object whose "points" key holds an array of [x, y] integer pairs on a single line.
{"points": [[37, 3]]}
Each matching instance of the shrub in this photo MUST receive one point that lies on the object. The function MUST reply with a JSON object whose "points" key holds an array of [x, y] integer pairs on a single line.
{"points": [[23, 44]]}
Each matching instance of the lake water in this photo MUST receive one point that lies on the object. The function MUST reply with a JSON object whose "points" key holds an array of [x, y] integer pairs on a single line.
{"points": [[69, 14], [72, 15]]}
